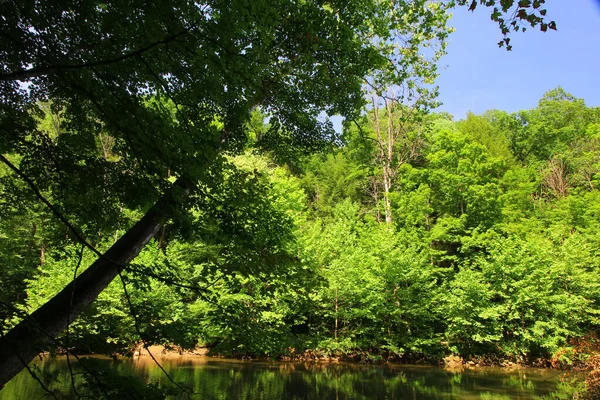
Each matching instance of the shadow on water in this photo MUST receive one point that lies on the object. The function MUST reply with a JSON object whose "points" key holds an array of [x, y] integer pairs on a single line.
{"points": [[232, 379]]}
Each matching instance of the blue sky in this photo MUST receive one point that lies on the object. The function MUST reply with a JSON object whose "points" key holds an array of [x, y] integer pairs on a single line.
{"points": [[480, 76]]}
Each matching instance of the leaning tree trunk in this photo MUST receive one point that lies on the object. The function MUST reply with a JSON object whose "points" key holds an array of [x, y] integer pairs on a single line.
{"points": [[31, 336]]}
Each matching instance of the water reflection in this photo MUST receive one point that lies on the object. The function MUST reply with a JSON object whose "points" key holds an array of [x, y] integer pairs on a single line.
{"points": [[231, 379]]}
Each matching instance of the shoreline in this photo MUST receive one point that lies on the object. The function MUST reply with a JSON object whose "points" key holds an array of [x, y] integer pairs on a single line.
{"points": [[452, 363]]}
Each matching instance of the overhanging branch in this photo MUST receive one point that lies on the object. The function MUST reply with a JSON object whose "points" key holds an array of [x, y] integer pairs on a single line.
{"points": [[25, 74]]}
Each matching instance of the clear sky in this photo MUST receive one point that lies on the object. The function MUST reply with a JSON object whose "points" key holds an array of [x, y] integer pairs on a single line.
{"points": [[480, 76]]}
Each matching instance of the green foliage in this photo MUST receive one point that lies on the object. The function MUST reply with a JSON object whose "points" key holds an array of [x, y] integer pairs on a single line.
{"points": [[492, 248], [487, 253], [375, 287], [331, 178], [527, 297], [521, 250]]}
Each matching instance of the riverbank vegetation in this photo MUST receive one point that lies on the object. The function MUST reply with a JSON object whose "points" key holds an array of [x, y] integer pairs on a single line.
{"points": [[477, 238]]}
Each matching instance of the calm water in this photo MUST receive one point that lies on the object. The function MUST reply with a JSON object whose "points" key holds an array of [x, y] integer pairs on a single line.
{"points": [[231, 379]]}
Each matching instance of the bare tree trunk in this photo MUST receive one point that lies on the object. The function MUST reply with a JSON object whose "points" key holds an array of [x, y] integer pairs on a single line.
{"points": [[387, 167], [375, 195], [385, 154], [386, 194], [31, 336]]}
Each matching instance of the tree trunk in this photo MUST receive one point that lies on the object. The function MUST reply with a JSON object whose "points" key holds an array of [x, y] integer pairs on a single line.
{"points": [[335, 333], [385, 155], [387, 168], [32, 335], [387, 183]]}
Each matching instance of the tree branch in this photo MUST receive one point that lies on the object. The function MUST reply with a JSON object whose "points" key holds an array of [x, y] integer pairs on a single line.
{"points": [[25, 74]]}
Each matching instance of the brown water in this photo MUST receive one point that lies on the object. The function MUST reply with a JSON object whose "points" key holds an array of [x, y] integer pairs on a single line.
{"points": [[212, 378]]}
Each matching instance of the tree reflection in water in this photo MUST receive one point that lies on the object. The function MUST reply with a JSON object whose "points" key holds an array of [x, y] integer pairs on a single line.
{"points": [[232, 379]]}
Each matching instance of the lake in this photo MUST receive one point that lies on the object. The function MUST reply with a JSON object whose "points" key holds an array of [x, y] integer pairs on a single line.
{"points": [[214, 378]]}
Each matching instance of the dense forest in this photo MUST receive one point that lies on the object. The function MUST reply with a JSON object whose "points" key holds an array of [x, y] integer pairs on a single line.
{"points": [[413, 236], [170, 174]]}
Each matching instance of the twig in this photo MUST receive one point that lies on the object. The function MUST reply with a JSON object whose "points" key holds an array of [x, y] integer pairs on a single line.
{"points": [[26, 318], [34, 376], [38, 71], [68, 350], [139, 332], [199, 290], [52, 208]]}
